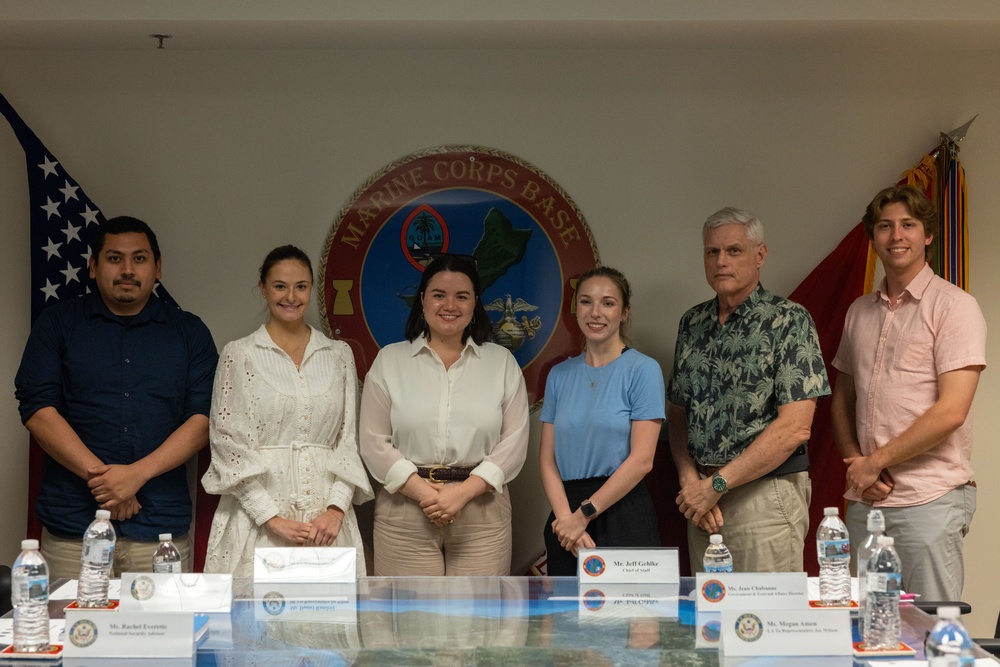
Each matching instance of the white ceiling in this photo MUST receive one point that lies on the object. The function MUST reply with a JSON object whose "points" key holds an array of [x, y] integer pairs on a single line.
{"points": [[427, 24]]}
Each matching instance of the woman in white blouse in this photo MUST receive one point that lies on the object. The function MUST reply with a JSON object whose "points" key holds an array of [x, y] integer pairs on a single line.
{"points": [[283, 431], [444, 428]]}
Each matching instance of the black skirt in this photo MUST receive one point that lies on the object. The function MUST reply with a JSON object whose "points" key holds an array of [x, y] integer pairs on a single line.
{"points": [[630, 522]]}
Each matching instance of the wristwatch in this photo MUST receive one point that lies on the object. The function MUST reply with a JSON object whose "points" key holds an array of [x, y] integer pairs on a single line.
{"points": [[588, 509], [719, 483]]}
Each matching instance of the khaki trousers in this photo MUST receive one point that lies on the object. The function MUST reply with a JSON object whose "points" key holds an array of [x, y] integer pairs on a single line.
{"points": [[408, 544], [63, 555], [928, 539], [764, 525]]}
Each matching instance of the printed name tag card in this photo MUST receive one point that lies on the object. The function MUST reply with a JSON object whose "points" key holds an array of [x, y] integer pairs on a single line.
{"points": [[166, 635], [629, 566], [751, 590], [628, 600], [201, 593], [325, 603], [764, 632], [305, 564]]}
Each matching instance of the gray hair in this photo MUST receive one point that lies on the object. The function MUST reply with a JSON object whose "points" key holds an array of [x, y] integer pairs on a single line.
{"points": [[735, 216]]}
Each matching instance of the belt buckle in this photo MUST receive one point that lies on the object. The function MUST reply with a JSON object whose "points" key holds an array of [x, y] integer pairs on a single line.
{"points": [[432, 470]]}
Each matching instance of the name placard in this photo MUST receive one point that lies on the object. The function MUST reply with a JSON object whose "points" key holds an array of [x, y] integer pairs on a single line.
{"points": [[821, 632], [305, 564], [202, 593], [325, 603], [629, 566], [628, 600], [168, 635], [751, 590]]}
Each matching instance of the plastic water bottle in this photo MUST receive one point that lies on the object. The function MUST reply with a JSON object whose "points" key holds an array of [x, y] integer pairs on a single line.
{"points": [[882, 625], [717, 556], [166, 558], [876, 528], [30, 596], [833, 550], [95, 561], [948, 644]]}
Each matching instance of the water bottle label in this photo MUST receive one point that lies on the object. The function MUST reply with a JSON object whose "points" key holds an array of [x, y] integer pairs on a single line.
{"points": [[167, 567], [884, 582], [715, 569], [833, 548], [35, 589], [99, 551]]}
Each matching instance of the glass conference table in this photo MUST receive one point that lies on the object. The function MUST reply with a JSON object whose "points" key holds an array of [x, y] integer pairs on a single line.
{"points": [[474, 622]]}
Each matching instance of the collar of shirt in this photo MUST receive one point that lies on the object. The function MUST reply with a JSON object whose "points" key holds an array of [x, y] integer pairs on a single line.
{"points": [[317, 341], [419, 346], [747, 304], [915, 289], [153, 310]]}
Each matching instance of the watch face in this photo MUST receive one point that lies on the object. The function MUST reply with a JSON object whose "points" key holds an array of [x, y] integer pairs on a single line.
{"points": [[588, 509], [719, 483]]}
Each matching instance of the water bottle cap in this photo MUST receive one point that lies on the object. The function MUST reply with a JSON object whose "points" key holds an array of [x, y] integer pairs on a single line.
{"points": [[876, 521], [949, 613], [831, 511], [885, 541], [166, 537], [715, 539], [29, 545], [104, 515]]}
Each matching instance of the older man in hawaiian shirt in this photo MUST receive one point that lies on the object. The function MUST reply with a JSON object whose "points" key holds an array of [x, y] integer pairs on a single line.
{"points": [[747, 373]]}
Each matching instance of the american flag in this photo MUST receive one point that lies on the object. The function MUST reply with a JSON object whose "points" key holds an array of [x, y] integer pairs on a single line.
{"points": [[63, 220]]}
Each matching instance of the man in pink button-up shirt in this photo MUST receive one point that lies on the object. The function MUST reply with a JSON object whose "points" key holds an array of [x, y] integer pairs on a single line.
{"points": [[909, 364]]}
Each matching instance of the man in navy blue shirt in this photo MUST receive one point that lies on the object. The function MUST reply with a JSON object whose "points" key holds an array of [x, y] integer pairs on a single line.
{"points": [[116, 388]]}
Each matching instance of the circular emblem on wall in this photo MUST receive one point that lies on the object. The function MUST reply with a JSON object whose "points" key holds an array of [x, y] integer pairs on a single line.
{"points": [[273, 603], [142, 588], [83, 633], [713, 590], [594, 566], [529, 239], [749, 628]]}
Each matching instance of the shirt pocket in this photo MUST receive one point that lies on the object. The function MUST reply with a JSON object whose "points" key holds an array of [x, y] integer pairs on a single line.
{"points": [[915, 352]]}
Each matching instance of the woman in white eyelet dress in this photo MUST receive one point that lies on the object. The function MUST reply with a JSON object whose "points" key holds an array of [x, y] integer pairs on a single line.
{"points": [[283, 432]]}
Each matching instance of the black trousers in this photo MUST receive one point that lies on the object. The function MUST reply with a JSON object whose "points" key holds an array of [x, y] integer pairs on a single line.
{"points": [[630, 522]]}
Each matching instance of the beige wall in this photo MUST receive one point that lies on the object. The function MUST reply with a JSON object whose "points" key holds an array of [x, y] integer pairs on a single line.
{"points": [[228, 154]]}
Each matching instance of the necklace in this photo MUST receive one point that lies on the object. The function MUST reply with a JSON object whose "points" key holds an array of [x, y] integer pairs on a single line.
{"points": [[599, 369], [593, 379]]}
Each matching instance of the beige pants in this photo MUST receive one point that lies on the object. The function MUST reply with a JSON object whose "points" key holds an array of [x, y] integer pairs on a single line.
{"points": [[408, 544], [764, 525], [63, 555], [928, 539]]}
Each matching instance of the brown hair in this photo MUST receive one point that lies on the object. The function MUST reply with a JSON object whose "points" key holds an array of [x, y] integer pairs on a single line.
{"points": [[619, 280]]}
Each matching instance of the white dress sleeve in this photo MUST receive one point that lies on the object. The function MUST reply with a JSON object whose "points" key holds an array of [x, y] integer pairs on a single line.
{"points": [[236, 466]]}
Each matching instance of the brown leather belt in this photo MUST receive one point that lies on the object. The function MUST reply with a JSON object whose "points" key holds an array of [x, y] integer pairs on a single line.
{"points": [[797, 462], [445, 473]]}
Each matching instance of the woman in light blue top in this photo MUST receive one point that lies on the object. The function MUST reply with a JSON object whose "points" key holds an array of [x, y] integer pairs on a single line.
{"points": [[600, 424]]}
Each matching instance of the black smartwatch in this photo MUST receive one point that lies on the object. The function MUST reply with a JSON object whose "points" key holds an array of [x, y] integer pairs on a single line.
{"points": [[588, 509], [719, 483]]}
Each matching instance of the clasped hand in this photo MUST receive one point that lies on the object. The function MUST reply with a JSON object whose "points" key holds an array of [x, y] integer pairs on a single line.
{"points": [[698, 501], [445, 504], [321, 531], [864, 477]]}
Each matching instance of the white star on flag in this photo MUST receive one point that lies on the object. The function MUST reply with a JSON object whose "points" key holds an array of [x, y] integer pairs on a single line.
{"points": [[50, 290], [71, 232], [52, 249], [69, 192], [89, 216], [52, 208], [49, 167], [71, 273]]}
